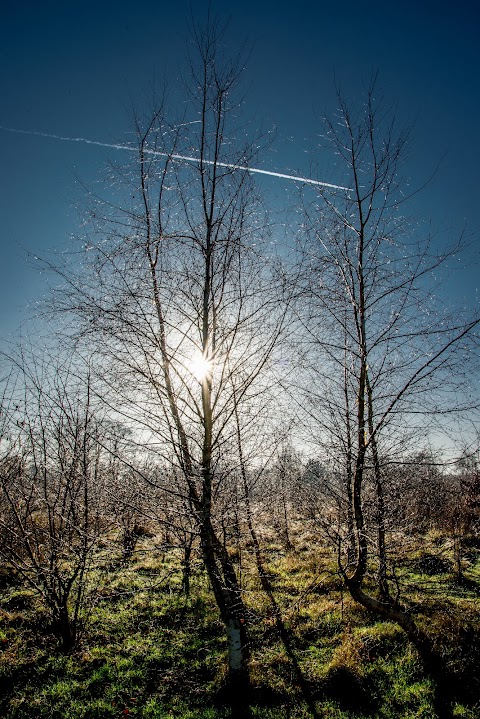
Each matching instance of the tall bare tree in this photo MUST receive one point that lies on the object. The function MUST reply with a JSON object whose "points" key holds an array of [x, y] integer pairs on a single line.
{"points": [[178, 295], [386, 358]]}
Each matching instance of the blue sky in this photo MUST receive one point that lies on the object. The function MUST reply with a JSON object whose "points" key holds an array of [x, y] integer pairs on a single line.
{"points": [[72, 69]]}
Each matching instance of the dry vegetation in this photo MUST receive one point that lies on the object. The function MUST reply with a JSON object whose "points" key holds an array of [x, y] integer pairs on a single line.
{"points": [[145, 649]]}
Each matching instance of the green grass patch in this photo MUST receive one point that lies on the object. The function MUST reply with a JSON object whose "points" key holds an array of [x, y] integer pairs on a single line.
{"points": [[148, 651]]}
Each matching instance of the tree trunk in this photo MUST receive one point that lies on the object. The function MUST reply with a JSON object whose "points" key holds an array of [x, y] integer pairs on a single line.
{"points": [[457, 549], [226, 589], [237, 644], [383, 590], [187, 566], [129, 542], [63, 629]]}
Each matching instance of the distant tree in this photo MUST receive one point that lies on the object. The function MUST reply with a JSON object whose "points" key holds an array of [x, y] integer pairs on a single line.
{"points": [[417, 491], [283, 477], [461, 511]]}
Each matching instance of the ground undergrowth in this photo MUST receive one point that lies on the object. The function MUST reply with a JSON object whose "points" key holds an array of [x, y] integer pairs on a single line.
{"points": [[148, 651]]}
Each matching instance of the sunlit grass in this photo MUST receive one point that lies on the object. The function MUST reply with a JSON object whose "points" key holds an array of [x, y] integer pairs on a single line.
{"points": [[148, 651]]}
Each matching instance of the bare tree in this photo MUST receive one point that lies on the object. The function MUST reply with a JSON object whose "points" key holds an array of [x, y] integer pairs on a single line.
{"points": [[282, 478], [178, 294], [50, 489], [385, 359]]}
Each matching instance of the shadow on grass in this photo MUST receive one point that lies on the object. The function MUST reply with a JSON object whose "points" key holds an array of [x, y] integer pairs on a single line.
{"points": [[349, 690], [240, 706]]}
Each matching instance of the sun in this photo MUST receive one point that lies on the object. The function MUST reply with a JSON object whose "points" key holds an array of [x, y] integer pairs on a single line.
{"points": [[200, 367]]}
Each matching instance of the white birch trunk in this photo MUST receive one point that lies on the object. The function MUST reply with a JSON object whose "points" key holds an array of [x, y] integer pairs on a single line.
{"points": [[235, 649]]}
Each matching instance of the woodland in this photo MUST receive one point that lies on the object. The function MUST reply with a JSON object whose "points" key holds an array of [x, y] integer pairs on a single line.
{"points": [[240, 476]]}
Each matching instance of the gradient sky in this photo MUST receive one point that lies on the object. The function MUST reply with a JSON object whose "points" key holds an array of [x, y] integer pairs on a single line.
{"points": [[72, 69]]}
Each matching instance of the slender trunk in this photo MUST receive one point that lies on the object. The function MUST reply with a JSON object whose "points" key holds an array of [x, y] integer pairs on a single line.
{"points": [[228, 596], [63, 628], [236, 641], [187, 565], [457, 550], [383, 589], [351, 545], [129, 542], [286, 533]]}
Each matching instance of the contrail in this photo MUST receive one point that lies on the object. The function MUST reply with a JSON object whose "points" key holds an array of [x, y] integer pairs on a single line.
{"points": [[183, 158]]}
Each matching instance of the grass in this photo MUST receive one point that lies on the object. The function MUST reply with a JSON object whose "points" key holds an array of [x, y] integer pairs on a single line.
{"points": [[149, 652]]}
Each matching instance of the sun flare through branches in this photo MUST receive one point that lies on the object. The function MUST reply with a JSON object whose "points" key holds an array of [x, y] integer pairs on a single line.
{"points": [[201, 367]]}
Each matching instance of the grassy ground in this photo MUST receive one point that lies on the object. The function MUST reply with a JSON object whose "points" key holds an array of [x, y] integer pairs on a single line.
{"points": [[147, 651]]}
